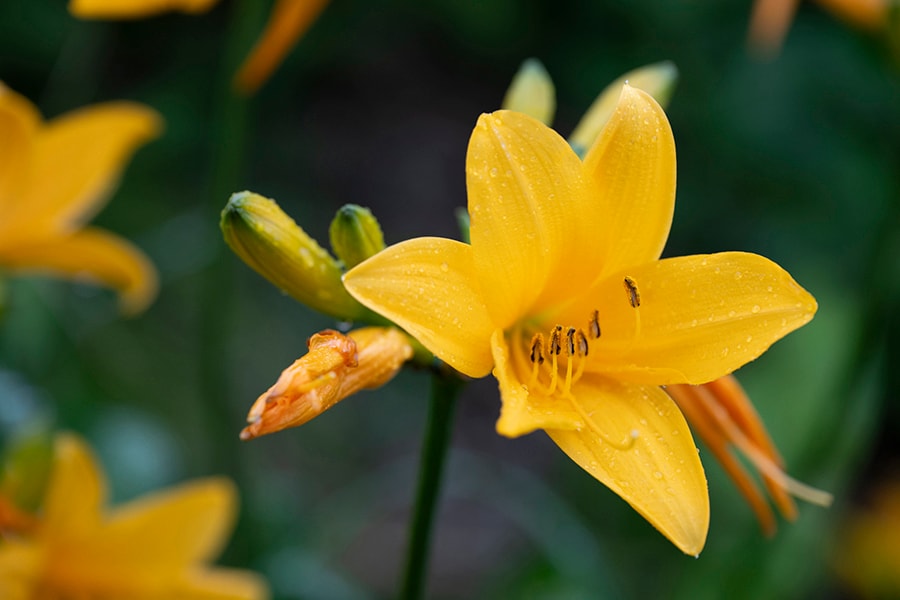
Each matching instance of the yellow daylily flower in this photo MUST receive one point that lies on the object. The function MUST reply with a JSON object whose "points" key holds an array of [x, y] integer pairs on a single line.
{"points": [[156, 547], [54, 177], [287, 23], [771, 19], [562, 295], [335, 367], [721, 413]]}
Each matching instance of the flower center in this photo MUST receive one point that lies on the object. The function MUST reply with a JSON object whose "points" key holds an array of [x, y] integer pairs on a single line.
{"points": [[558, 358], [563, 343]]}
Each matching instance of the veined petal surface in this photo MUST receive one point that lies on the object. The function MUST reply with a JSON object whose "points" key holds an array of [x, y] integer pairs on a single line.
{"points": [[700, 317], [659, 473], [657, 79], [428, 287], [95, 255], [631, 169], [530, 216], [78, 159], [524, 411]]}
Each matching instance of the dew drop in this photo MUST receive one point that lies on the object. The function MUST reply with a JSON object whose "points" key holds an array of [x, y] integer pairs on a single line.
{"points": [[755, 309], [657, 474], [445, 267], [494, 172], [738, 274]]}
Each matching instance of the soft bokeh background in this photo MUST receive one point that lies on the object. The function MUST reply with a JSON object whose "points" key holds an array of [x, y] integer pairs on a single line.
{"points": [[795, 158]]}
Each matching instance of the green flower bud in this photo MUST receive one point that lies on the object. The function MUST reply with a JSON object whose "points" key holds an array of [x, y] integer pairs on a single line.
{"points": [[273, 245], [658, 80], [532, 92], [355, 235]]}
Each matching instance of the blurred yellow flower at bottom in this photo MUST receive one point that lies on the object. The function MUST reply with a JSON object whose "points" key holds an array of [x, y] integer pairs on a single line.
{"points": [[868, 559], [155, 547]]}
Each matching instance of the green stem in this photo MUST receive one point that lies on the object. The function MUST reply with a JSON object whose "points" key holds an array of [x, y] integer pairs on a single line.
{"points": [[444, 390], [231, 131]]}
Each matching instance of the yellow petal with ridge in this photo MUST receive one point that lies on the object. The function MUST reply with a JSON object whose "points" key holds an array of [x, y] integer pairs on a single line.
{"points": [[699, 317], [428, 287], [532, 224], [631, 175], [639, 445]]}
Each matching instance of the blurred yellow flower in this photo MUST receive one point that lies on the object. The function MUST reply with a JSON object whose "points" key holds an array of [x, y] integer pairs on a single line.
{"points": [[771, 19], [868, 555], [54, 177], [561, 294], [155, 548], [287, 23], [336, 366], [721, 413]]}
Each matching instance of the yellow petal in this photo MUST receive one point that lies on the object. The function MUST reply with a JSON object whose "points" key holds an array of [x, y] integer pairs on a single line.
{"points": [[657, 79], [428, 287], [530, 217], [524, 411], [658, 472], [700, 317], [174, 528], [222, 584], [631, 170], [76, 491], [288, 22], [531, 92], [134, 9], [18, 122], [94, 255], [78, 159]]}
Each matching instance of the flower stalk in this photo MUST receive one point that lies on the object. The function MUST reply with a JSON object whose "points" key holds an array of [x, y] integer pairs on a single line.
{"points": [[444, 391]]}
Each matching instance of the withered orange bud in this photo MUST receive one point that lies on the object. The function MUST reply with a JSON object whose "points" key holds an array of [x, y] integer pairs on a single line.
{"points": [[721, 413], [335, 367]]}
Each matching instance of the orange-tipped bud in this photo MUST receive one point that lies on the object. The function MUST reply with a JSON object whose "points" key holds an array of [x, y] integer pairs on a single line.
{"points": [[335, 367]]}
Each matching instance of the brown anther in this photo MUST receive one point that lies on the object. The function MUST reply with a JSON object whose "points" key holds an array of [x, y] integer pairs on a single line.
{"points": [[594, 326], [537, 349], [556, 340], [634, 296], [581, 342], [570, 341]]}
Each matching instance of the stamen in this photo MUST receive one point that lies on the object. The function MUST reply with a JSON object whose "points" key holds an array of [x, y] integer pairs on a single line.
{"points": [[594, 326], [555, 349], [581, 342], [634, 296], [537, 349], [556, 340], [570, 341]]}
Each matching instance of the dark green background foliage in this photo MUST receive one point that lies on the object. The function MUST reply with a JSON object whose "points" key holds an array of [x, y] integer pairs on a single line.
{"points": [[795, 158]]}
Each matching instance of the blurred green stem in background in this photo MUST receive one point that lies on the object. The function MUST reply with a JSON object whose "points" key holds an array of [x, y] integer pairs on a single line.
{"points": [[444, 390], [230, 139]]}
